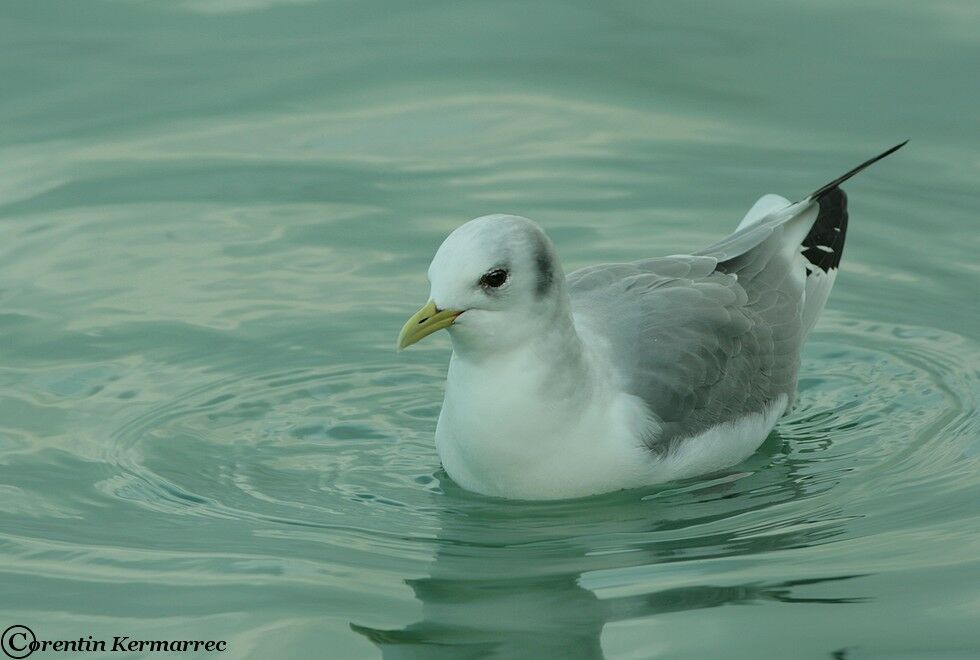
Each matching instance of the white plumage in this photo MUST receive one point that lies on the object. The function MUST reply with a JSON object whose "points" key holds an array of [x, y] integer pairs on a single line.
{"points": [[623, 375]]}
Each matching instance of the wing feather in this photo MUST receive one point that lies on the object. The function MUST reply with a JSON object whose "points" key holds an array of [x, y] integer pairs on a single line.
{"points": [[700, 339]]}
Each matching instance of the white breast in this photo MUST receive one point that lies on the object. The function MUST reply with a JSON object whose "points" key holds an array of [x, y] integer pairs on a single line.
{"points": [[508, 430]]}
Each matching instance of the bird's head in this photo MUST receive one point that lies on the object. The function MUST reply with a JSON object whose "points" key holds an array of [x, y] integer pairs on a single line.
{"points": [[495, 283]]}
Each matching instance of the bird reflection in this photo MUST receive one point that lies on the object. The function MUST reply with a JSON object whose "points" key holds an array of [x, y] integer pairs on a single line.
{"points": [[507, 578]]}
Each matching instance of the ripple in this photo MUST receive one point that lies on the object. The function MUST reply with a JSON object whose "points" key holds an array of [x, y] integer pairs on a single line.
{"points": [[301, 446], [346, 447]]}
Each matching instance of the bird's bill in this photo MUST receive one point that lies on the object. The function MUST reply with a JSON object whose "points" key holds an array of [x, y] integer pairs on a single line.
{"points": [[424, 322]]}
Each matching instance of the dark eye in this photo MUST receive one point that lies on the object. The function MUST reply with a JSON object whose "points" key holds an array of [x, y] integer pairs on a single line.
{"points": [[494, 278]]}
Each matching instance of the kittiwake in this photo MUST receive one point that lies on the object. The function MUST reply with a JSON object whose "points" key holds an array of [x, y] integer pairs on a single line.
{"points": [[627, 374]]}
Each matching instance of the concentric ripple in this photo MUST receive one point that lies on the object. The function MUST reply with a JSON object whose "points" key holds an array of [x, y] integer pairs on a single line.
{"points": [[880, 410]]}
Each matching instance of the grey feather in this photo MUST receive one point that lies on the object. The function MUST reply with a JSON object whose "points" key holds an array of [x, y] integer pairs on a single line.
{"points": [[702, 339], [708, 338]]}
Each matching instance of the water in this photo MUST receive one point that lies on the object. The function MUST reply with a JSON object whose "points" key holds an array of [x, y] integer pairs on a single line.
{"points": [[216, 214]]}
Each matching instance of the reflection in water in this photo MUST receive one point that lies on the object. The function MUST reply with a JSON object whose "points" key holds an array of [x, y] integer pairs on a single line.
{"points": [[507, 579]]}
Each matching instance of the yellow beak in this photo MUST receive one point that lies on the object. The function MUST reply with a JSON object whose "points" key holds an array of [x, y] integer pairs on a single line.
{"points": [[424, 322]]}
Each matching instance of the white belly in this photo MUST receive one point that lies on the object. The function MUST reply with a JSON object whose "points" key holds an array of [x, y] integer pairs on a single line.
{"points": [[541, 454], [497, 438], [720, 446]]}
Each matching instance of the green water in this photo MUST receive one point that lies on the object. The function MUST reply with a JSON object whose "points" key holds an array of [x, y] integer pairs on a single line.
{"points": [[216, 214]]}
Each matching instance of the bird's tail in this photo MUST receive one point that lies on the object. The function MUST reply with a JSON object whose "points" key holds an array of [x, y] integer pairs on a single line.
{"points": [[823, 190], [823, 245], [808, 235]]}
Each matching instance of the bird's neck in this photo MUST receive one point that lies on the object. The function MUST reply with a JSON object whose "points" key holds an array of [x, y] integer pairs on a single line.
{"points": [[551, 366], [525, 416]]}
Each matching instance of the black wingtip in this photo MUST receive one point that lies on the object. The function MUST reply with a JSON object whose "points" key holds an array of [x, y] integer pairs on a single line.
{"points": [[823, 190]]}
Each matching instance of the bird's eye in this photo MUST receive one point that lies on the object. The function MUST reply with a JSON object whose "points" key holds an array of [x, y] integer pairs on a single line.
{"points": [[494, 278]]}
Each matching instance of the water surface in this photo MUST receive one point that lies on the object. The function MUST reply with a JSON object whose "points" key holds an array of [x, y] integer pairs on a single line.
{"points": [[216, 214]]}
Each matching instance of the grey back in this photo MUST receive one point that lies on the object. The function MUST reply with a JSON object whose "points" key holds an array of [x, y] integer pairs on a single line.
{"points": [[702, 339]]}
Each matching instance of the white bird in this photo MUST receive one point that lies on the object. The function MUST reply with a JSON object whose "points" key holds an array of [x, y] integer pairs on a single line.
{"points": [[623, 375]]}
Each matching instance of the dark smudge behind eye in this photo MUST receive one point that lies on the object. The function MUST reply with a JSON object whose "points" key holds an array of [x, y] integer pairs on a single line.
{"points": [[544, 265]]}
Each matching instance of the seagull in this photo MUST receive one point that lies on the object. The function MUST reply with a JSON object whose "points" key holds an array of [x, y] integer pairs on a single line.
{"points": [[623, 375]]}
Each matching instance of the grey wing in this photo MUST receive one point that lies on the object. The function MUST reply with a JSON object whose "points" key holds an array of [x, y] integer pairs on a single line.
{"points": [[701, 339], [708, 338]]}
